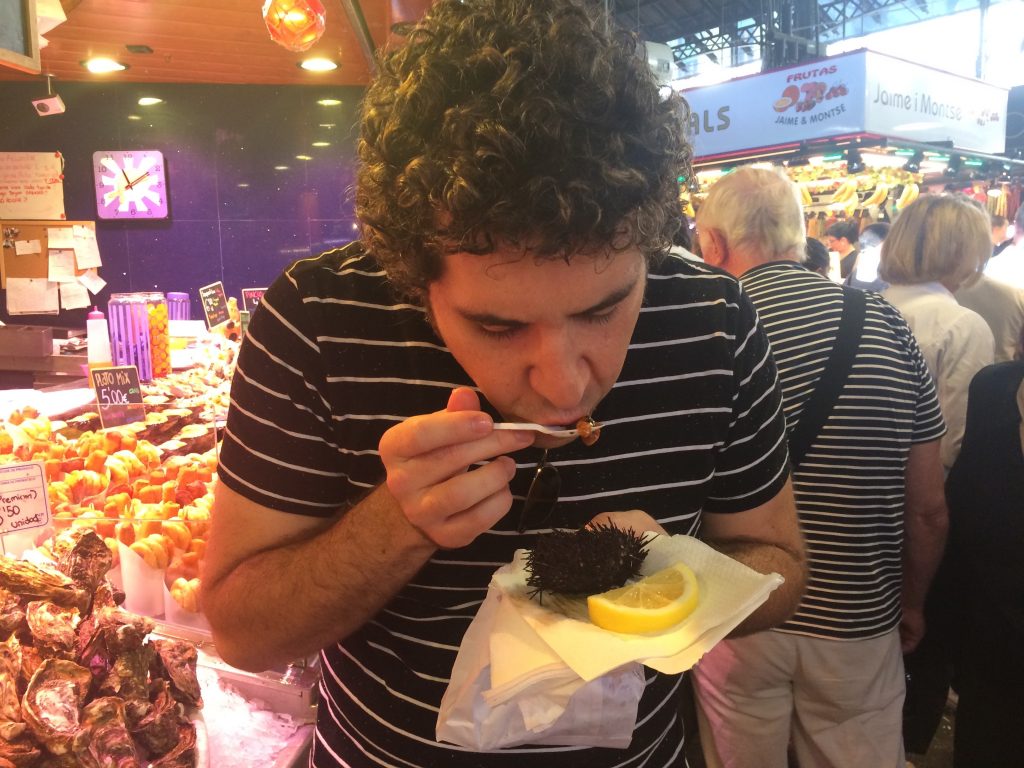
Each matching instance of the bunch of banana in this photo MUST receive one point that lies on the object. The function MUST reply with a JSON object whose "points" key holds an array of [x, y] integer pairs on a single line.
{"points": [[846, 191], [910, 193], [879, 195], [805, 194]]}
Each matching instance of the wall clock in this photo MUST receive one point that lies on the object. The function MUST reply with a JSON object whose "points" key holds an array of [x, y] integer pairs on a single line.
{"points": [[130, 184]]}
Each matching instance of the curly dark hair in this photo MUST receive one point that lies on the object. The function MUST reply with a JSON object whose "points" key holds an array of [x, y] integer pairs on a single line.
{"points": [[528, 123]]}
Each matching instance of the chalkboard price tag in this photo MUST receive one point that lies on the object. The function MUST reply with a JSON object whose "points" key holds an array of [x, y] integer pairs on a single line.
{"points": [[215, 304], [251, 298], [23, 500], [118, 395]]}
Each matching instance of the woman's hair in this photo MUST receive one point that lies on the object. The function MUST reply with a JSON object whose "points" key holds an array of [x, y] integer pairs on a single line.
{"points": [[758, 209], [937, 238], [535, 124]]}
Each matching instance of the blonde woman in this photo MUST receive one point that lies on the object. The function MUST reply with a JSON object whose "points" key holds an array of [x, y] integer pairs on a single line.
{"points": [[936, 244]]}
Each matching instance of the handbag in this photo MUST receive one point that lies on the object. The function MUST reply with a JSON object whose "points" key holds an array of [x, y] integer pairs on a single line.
{"points": [[837, 369]]}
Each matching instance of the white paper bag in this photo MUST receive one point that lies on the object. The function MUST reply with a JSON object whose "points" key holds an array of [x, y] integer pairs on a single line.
{"points": [[549, 705]]}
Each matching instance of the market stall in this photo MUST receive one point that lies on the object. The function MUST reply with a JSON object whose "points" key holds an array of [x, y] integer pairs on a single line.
{"points": [[137, 497], [862, 134]]}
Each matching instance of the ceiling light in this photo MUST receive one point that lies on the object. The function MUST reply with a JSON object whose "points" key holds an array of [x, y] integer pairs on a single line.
{"points": [[148, 101], [280, 167], [318, 64], [134, 117], [321, 143], [329, 102], [303, 157], [102, 65]]}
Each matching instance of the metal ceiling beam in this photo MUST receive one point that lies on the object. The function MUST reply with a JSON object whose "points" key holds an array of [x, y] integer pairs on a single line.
{"points": [[354, 11]]}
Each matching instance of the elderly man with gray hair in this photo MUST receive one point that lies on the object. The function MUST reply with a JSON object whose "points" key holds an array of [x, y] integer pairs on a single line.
{"points": [[864, 427]]}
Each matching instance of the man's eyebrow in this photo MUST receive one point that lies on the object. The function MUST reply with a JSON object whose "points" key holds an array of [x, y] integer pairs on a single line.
{"points": [[486, 318]]}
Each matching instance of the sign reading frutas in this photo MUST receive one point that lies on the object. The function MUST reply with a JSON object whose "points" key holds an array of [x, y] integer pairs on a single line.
{"points": [[23, 500], [118, 395]]}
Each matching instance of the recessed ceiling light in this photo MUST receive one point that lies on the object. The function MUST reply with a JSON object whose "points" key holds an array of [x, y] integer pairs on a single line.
{"points": [[328, 126], [303, 157], [280, 167], [134, 117], [102, 65], [329, 102], [243, 185], [321, 143], [318, 64], [148, 101]]}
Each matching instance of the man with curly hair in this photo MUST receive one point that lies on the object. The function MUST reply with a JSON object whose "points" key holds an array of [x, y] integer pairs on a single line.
{"points": [[517, 195]]}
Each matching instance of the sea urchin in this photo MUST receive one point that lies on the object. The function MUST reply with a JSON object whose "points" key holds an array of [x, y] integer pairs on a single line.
{"points": [[585, 562]]}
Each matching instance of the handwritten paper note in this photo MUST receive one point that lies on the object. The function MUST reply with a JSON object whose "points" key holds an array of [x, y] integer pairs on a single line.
{"points": [[73, 296], [87, 253], [31, 185], [32, 296], [91, 280], [62, 266], [60, 237], [27, 247]]}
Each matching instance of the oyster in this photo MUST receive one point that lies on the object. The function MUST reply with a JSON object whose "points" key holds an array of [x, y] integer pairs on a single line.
{"points": [[11, 613], [28, 580], [52, 704], [82, 555], [103, 740], [176, 661], [184, 753], [154, 724], [129, 675], [52, 627], [20, 753], [11, 725]]}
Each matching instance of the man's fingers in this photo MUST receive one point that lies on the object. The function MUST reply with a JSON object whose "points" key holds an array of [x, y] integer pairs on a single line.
{"points": [[462, 528], [422, 434], [463, 399], [465, 491], [437, 466]]}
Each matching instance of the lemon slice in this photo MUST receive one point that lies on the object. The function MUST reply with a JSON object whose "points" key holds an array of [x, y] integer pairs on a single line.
{"points": [[652, 604]]}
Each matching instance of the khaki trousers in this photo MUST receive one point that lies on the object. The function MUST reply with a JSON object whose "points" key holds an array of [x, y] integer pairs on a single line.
{"points": [[838, 702]]}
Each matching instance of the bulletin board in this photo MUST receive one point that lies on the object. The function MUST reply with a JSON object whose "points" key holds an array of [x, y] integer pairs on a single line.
{"points": [[31, 264]]}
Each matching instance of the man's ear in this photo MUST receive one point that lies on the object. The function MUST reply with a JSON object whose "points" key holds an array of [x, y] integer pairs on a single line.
{"points": [[713, 249]]}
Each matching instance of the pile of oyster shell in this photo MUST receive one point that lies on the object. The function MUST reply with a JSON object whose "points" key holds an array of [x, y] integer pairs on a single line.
{"points": [[81, 683]]}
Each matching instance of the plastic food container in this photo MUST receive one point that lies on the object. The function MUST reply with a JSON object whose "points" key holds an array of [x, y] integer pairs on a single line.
{"points": [[128, 318], [179, 306], [159, 337]]}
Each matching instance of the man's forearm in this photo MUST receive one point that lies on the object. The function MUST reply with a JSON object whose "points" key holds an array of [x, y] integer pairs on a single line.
{"points": [[923, 547], [292, 600], [765, 557]]}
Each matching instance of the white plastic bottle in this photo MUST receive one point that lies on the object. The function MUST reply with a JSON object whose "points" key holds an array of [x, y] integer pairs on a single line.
{"points": [[98, 342]]}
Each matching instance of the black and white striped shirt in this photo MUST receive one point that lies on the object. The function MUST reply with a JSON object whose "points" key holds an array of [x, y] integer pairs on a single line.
{"points": [[850, 486], [332, 360]]}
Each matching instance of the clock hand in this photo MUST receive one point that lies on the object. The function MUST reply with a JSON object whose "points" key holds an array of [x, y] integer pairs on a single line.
{"points": [[125, 174], [132, 184]]}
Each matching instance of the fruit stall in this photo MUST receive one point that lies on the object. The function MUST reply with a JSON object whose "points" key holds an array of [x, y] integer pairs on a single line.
{"points": [[862, 135], [100, 585]]}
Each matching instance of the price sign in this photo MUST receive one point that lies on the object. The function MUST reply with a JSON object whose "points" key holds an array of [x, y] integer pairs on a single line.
{"points": [[23, 500], [118, 395], [215, 304], [251, 298]]}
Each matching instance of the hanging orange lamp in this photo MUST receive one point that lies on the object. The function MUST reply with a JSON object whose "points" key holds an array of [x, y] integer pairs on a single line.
{"points": [[295, 24]]}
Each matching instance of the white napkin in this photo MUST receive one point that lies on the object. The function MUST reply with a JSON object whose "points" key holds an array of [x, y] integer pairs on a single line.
{"points": [[528, 673], [729, 592]]}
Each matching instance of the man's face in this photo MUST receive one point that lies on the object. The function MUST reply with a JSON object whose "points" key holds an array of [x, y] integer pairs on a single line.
{"points": [[543, 340]]}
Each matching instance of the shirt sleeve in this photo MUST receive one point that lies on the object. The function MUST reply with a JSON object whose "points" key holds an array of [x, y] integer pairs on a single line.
{"points": [[968, 347], [753, 465], [279, 449]]}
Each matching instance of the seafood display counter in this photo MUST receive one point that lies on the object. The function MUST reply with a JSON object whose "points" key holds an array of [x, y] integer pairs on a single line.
{"points": [[104, 651]]}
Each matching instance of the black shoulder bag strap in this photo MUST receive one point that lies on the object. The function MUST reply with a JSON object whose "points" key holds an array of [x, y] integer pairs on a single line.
{"points": [[837, 368]]}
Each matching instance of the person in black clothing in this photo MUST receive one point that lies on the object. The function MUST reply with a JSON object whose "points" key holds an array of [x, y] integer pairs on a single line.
{"points": [[985, 493], [842, 238]]}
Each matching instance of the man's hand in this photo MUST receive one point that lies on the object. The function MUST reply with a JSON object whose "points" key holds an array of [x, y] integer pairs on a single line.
{"points": [[912, 628], [428, 460], [636, 519]]}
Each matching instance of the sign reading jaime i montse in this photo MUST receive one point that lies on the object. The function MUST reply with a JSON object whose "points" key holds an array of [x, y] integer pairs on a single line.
{"points": [[860, 92]]}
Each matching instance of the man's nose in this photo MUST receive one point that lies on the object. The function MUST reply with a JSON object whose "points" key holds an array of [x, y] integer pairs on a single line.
{"points": [[559, 371]]}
